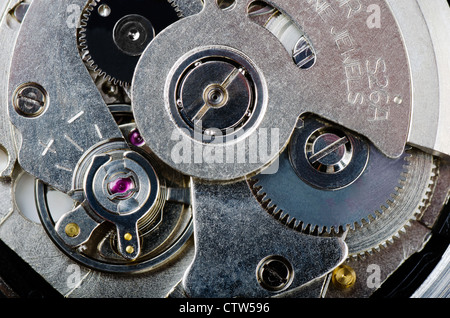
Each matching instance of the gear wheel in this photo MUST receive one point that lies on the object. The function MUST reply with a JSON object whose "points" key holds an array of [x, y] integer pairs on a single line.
{"points": [[309, 210], [403, 188], [115, 33], [414, 198]]}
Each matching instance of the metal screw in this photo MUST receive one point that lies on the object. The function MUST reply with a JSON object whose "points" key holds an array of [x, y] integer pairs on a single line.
{"points": [[130, 249], [303, 54], [30, 100], [343, 277], [72, 230], [275, 273], [133, 33], [329, 145], [109, 88], [328, 151], [128, 237]]}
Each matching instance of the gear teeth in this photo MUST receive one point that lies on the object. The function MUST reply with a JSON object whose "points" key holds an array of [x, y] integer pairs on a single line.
{"points": [[309, 228], [371, 218], [296, 224], [284, 217], [390, 202], [83, 46], [313, 229], [252, 183], [364, 222], [408, 223], [266, 204], [425, 202], [85, 16], [271, 210], [299, 226], [403, 184], [276, 214], [327, 230], [291, 223], [176, 8]]}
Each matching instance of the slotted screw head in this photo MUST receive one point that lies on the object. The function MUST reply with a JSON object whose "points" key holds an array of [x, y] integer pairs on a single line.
{"points": [[344, 277], [275, 273], [30, 100]]}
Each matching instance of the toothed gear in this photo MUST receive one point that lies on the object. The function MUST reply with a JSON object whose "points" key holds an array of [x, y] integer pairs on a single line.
{"points": [[307, 207], [380, 224], [414, 197], [114, 34], [367, 219]]}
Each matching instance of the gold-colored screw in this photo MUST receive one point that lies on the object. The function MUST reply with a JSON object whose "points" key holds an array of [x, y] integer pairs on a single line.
{"points": [[130, 249], [343, 277], [128, 237], [72, 230]]}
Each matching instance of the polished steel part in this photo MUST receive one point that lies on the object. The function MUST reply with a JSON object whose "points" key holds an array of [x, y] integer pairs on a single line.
{"points": [[216, 89], [74, 132], [365, 93], [349, 80], [426, 40], [226, 261], [412, 199], [75, 105], [327, 157], [329, 202], [436, 285], [9, 30], [123, 189], [286, 30], [100, 251], [404, 189], [132, 208]]}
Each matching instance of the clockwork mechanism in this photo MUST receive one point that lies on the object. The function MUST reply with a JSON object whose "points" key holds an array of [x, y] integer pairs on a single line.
{"points": [[225, 148]]}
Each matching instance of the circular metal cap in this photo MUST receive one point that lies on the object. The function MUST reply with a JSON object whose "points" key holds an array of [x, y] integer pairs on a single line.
{"points": [[30, 100], [329, 150], [327, 157], [133, 33], [216, 93], [275, 273], [124, 191]]}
